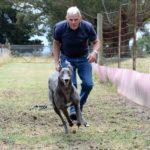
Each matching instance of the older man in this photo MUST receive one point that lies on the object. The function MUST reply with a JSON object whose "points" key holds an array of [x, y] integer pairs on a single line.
{"points": [[71, 43]]}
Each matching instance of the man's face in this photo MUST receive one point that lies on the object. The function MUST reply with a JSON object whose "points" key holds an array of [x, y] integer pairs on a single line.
{"points": [[73, 20]]}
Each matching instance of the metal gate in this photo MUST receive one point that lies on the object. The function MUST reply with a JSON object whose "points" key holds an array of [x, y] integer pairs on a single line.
{"points": [[31, 53]]}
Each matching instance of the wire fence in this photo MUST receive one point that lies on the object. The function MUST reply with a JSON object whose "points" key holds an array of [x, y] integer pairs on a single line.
{"points": [[121, 29], [31, 53]]}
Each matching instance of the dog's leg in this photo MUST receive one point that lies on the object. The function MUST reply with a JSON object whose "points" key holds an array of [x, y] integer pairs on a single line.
{"points": [[67, 117], [63, 121], [78, 113], [80, 119], [51, 97]]}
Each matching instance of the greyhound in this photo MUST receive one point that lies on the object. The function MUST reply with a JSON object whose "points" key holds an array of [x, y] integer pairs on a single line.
{"points": [[62, 93]]}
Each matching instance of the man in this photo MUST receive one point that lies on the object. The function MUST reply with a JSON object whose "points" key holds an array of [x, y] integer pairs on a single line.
{"points": [[71, 43]]}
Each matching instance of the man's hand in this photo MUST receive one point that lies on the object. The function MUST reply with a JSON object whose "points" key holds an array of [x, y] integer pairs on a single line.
{"points": [[92, 56]]}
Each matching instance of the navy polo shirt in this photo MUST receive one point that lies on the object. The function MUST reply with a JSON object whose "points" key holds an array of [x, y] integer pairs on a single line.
{"points": [[74, 43]]}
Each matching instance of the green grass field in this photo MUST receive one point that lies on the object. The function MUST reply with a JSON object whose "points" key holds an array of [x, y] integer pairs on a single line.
{"points": [[115, 122]]}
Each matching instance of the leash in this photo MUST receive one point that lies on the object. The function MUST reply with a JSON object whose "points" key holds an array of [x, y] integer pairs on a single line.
{"points": [[39, 107]]}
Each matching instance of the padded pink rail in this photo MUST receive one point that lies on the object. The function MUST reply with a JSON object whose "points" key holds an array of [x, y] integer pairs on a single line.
{"points": [[131, 84]]}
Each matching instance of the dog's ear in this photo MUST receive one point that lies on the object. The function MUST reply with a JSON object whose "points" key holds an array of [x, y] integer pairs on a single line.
{"points": [[70, 67], [59, 68]]}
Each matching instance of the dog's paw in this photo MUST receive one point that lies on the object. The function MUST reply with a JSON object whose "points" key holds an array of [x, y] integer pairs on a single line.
{"points": [[86, 125], [71, 124], [78, 123]]}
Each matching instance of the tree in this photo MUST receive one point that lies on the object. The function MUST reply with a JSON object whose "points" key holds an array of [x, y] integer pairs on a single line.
{"points": [[14, 26]]}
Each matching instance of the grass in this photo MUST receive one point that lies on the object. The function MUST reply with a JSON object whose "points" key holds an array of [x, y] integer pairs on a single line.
{"points": [[115, 123]]}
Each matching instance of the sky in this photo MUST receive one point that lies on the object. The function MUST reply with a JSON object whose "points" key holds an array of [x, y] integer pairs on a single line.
{"points": [[42, 38], [47, 46]]}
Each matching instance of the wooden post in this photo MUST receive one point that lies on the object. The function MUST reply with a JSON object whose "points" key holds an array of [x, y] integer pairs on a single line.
{"points": [[119, 38], [100, 36], [134, 38]]}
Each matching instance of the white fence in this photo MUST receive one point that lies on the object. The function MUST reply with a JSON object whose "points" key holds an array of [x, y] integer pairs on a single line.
{"points": [[4, 49]]}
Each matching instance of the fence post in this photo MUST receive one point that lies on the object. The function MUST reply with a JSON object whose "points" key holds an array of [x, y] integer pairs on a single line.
{"points": [[134, 38], [100, 36], [119, 38]]}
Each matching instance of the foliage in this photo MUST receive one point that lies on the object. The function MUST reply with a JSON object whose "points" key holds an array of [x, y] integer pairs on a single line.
{"points": [[144, 44], [15, 25]]}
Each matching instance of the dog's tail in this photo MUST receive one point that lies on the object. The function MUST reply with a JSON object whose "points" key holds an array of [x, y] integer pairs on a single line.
{"points": [[50, 93], [51, 96], [52, 99]]}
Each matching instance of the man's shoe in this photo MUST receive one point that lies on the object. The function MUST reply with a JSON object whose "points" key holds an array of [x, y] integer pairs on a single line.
{"points": [[73, 115], [87, 125]]}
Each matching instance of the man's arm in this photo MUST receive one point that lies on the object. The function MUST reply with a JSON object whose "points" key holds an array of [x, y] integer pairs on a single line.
{"points": [[56, 53], [96, 46]]}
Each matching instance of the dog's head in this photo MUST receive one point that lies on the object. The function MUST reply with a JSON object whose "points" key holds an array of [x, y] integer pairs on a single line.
{"points": [[65, 75]]}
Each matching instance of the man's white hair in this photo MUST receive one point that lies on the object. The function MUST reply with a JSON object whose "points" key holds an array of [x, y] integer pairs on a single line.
{"points": [[73, 11]]}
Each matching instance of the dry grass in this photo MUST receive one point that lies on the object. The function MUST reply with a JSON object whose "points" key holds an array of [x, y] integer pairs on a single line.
{"points": [[142, 64], [4, 58]]}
